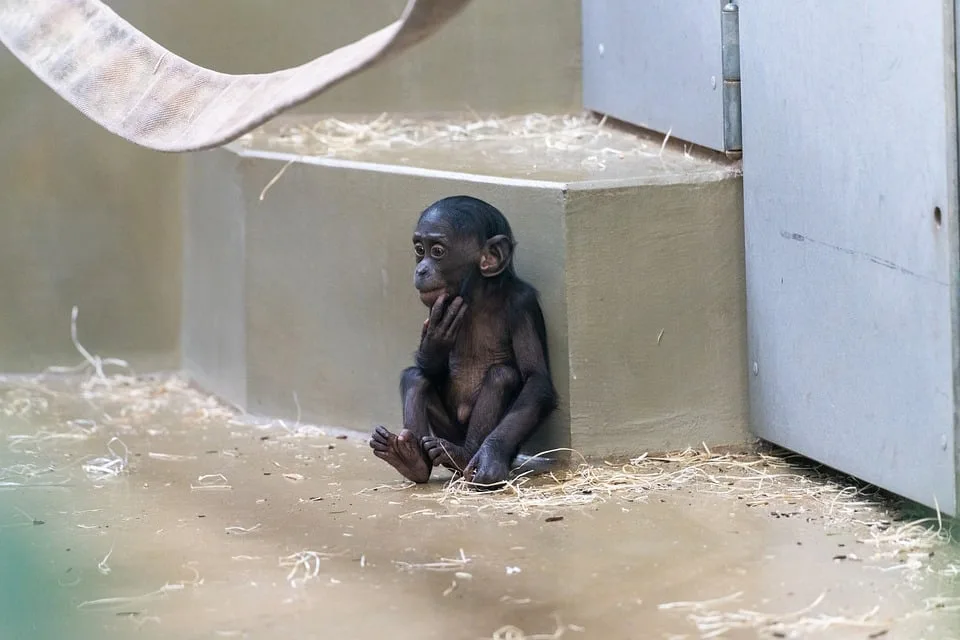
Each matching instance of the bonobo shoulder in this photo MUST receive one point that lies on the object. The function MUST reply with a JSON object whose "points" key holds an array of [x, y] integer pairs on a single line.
{"points": [[524, 303]]}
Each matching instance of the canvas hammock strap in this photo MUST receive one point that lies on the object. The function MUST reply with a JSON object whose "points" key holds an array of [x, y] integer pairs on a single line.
{"points": [[137, 89]]}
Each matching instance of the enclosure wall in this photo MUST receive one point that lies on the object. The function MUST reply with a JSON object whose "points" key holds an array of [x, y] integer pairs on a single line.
{"points": [[498, 55], [299, 300], [89, 220]]}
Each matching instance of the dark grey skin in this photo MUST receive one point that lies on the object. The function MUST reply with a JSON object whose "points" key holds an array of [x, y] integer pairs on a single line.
{"points": [[481, 385]]}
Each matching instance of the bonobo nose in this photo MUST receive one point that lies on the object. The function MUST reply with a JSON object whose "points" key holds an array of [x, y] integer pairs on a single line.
{"points": [[419, 276]]}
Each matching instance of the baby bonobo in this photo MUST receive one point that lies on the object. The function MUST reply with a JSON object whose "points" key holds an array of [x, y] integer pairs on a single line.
{"points": [[481, 384]]}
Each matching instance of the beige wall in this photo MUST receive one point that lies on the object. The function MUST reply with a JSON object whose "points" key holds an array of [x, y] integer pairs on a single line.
{"points": [[89, 219], [85, 219], [317, 281], [641, 261], [498, 55], [331, 312]]}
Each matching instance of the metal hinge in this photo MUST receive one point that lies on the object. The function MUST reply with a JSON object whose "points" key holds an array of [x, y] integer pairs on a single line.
{"points": [[730, 51]]}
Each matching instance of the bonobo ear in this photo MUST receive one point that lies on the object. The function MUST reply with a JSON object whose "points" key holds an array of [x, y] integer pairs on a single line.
{"points": [[495, 256]]}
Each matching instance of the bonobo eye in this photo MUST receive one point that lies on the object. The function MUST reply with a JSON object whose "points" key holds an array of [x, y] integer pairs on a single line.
{"points": [[418, 249], [438, 251]]}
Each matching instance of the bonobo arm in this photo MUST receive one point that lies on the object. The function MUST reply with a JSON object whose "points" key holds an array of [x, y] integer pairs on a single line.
{"points": [[537, 396], [438, 336]]}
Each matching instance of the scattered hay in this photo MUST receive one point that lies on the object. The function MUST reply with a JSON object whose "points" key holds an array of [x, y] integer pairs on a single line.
{"points": [[24, 404], [106, 604], [510, 632], [111, 466], [712, 623], [77, 430], [910, 545], [666, 139], [212, 482], [117, 404], [241, 531], [444, 564], [304, 566], [121, 399], [102, 566], [275, 178], [23, 475], [333, 136], [582, 137], [766, 478], [402, 486], [169, 457], [109, 604], [701, 604], [91, 364], [756, 478]]}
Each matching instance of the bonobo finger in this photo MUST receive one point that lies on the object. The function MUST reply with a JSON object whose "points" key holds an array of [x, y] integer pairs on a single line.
{"points": [[423, 329], [436, 311], [458, 319], [450, 316]]}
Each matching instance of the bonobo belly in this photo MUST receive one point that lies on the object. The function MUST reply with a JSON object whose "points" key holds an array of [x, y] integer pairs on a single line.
{"points": [[467, 373]]}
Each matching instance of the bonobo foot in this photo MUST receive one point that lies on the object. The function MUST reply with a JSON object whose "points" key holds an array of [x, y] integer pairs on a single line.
{"points": [[489, 468], [402, 452], [443, 453]]}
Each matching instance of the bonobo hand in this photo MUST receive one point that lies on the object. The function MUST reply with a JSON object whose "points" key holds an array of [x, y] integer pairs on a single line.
{"points": [[439, 334], [489, 467]]}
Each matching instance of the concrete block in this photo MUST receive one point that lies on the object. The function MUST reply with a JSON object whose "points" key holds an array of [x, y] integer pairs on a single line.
{"points": [[331, 316], [656, 316]]}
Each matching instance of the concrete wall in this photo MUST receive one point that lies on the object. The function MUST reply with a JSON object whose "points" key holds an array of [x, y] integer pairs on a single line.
{"points": [[85, 219], [657, 315], [214, 291], [89, 219], [329, 312], [498, 55], [329, 309]]}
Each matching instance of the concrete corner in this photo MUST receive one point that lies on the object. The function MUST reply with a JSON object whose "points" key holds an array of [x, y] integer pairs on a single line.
{"points": [[300, 299], [656, 316]]}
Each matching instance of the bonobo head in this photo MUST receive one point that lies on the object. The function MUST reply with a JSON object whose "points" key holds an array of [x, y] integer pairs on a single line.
{"points": [[462, 245]]}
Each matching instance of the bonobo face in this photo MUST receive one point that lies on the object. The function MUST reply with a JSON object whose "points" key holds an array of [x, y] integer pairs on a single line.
{"points": [[444, 259]]}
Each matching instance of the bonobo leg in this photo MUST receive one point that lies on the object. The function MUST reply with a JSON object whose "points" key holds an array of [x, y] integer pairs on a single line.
{"points": [[423, 413], [498, 391]]}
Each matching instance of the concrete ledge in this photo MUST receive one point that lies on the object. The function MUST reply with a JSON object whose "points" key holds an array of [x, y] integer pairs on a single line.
{"points": [[308, 292]]}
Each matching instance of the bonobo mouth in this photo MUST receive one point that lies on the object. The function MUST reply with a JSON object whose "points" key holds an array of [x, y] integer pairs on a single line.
{"points": [[430, 297]]}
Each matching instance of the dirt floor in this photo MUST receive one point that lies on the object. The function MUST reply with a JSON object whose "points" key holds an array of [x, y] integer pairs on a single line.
{"points": [[136, 508]]}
